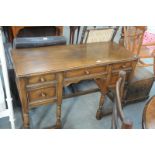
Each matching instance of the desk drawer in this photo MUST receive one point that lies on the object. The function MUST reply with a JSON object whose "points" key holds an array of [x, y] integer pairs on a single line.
{"points": [[85, 71], [120, 66], [41, 78], [42, 93]]}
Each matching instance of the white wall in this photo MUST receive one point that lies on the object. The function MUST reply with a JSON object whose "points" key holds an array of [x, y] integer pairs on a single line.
{"points": [[151, 29]]}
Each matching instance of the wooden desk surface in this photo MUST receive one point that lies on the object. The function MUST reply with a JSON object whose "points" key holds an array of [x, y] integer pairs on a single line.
{"points": [[32, 61]]}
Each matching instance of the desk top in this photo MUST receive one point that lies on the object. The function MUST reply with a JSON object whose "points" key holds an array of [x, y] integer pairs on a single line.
{"points": [[33, 61]]}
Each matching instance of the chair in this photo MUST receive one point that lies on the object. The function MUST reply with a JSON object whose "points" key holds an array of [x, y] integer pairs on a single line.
{"points": [[148, 120], [72, 33], [133, 38], [117, 114], [94, 35], [133, 41], [148, 51]]}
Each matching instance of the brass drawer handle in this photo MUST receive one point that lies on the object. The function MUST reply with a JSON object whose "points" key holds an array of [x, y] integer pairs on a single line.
{"points": [[87, 72], [42, 79], [124, 66], [43, 94]]}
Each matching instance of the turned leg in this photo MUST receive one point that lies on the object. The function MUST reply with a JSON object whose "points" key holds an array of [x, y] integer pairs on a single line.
{"points": [[99, 111], [59, 99], [102, 84], [26, 122], [58, 122]]}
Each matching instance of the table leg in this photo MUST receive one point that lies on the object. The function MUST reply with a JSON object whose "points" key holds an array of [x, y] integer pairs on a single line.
{"points": [[102, 84], [101, 103], [25, 109], [59, 99], [26, 121]]}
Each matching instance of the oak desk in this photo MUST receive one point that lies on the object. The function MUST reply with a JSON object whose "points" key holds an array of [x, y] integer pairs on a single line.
{"points": [[42, 72]]}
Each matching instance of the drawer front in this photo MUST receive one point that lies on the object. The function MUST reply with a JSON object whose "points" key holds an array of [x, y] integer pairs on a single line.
{"points": [[43, 93], [85, 71], [41, 78], [120, 66]]}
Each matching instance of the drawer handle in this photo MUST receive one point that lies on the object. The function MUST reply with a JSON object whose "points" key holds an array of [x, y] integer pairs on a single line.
{"points": [[42, 79], [124, 66], [43, 94], [87, 72]]}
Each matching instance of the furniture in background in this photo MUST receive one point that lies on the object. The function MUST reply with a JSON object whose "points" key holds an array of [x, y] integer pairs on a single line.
{"points": [[16, 29], [140, 86], [7, 110], [148, 118], [40, 81], [94, 35], [12, 32], [142, 79], [134, 40], [148, 121], [32, 42], [72, 34], [148, 49], [118, 114]]}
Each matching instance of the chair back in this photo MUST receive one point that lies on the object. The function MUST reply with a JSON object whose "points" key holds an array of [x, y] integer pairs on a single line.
{"points": [[133, 38], [98, 34], [118, 114]]}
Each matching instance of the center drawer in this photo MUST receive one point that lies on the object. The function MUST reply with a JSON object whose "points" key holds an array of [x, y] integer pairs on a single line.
{"points": [[42, 93], [41, 78], [85, 71]]}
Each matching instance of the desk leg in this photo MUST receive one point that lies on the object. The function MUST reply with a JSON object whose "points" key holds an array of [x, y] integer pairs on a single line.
{"points": [[23, 97], [103, 88], [101, 103], [59, 99]]}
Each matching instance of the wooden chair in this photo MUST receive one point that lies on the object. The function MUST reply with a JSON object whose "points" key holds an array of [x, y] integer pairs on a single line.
{"points": [[72, 33], [94, 35], [146, 52], [133, 38], [133, 41], [148, 120], [117, 114]]}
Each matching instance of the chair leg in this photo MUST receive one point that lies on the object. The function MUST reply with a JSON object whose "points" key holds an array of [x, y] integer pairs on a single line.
{"points": [[114, 117]]}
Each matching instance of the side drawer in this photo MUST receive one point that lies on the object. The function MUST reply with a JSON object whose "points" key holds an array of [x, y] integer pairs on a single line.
{"points": [[42, 93], [121, 66], [41, 78]]}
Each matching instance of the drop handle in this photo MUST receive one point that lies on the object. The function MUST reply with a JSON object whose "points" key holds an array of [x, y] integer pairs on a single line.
{"points": [[43, 94], [87, 72], [42, 79]]}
